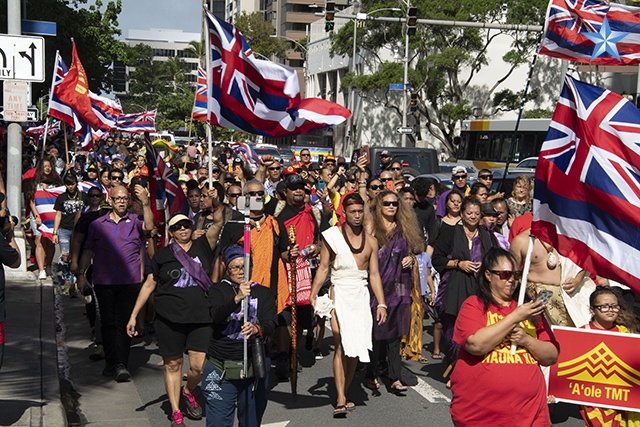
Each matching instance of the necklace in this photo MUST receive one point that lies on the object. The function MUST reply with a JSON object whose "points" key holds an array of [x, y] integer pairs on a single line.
{"points": [[552, 259], [354, 250], [256, 221]]}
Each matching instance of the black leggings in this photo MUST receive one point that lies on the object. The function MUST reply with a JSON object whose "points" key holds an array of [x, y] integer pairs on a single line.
{"points": [[392, 348]]}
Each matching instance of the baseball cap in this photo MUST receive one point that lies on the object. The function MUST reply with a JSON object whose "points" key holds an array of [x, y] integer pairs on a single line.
{"points": [[489, 210], [385, 153], [290, 170], [329, 158], [458, 169], [177, 218], [294, 180]]}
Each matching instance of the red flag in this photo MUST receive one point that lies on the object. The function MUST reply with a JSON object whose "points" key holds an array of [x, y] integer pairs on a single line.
{"points": [[74, 91]]}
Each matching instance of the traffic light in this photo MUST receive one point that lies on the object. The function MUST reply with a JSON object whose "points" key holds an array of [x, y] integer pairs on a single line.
{"points": [[413, 104], [412, 20], [329, 15]]}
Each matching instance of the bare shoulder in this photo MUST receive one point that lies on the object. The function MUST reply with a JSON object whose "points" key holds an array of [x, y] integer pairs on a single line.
{"points": [[372, 242]]}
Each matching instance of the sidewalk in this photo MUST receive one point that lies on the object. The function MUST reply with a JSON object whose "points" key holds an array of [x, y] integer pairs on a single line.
{"points": [[29, 391]]}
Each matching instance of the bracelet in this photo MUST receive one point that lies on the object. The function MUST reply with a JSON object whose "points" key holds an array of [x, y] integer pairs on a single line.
{"points": [[457, 263], [55, 233], [383, 306], [146, 204]]}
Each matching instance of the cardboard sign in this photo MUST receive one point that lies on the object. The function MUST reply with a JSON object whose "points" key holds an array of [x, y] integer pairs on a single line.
{"points": [[597, 368]]}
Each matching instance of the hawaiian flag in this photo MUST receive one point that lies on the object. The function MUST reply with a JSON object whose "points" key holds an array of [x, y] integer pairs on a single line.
{"points": [[38, 131], [200, 103], [248, 154], [57, 108], [587, 183], [44, 201], [163, 184], [137, 122], [257, 96], [593, 31], [106, 110]]}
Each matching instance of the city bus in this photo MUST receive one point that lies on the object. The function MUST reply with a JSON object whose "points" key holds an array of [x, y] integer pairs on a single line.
{"points": [[319, 142], [485, 144]]}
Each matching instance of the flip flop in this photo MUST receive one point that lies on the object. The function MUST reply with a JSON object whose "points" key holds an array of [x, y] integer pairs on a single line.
{"points": [[350, 406], [399, 388], [372, 384], [423, 360], [340, 412], [436, 355]]}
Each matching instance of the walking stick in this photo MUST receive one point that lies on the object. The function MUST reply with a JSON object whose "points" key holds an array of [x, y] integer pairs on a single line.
{"points": [[294, 315]]}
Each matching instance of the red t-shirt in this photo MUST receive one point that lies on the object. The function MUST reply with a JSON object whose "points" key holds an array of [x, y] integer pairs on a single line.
{"points": [[497, 389]]}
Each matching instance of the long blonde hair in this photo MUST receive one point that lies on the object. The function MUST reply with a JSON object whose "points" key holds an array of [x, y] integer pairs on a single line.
{"points": [[405, 219]]}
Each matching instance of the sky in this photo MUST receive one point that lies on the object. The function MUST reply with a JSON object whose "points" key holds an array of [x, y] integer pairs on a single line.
{"points": [[183, 15]]}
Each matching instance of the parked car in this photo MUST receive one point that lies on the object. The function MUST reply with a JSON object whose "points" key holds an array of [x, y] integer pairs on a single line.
{"points": [[530, 164], [262, 149], [288, 158], [447, 167], [415, 161], [506, 185]]}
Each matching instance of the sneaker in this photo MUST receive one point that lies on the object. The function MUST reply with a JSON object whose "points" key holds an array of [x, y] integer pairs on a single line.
{"points": [[193, 409], [177, 419], [318, 354], [42, 275], [122, 374]]}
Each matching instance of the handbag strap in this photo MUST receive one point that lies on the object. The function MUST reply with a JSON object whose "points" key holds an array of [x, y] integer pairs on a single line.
{"points": [[195, 270]]}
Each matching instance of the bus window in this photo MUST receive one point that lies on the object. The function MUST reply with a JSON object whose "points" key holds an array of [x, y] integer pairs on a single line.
{"points": [[495, 147], [482, 147], [465, 147], [530, 148], [504, 150]]}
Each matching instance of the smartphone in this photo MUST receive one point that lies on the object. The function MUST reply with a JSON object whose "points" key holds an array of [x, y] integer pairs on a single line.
{"points": [[544, 296], [390, 185], [320, 186], [321, 158], [364, 151], [254, 203]]}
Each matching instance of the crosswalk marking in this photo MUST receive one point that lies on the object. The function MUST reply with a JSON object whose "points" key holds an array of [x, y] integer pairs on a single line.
{"points": [[280, 424], [429, 393]]}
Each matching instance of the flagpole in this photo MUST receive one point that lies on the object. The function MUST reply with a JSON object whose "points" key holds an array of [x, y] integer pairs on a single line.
{"points": [[210, 148], [66, 147], [525, 276], [44, 139], [207, 58]]}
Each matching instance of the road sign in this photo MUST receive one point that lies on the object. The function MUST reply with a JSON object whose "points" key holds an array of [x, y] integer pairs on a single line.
{"points": [[32, 114], [16, 101], [396, 86], [21, 58], [39, 28], [404, 130]]}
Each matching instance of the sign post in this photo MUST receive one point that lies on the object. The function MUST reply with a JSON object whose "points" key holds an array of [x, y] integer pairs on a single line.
{"points": [[16, 101]]}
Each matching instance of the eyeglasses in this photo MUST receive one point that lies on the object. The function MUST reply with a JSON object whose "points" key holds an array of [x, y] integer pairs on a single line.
{"points": [[235, 268], [386, 179], [120, 199], [230, 195], [274, 169], [116, 178], [607, 308], [95, 196], [396, 169], [377, 187], [256, 193], [460, 177], [485, 176], [182, 224], [507, 274], [394, 204]]}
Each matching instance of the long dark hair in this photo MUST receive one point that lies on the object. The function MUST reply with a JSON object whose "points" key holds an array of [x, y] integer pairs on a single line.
{"points": [[626, 317], [490, 262], [52, 179]]}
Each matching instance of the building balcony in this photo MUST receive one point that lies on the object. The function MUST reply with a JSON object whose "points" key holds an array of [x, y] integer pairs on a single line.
{"points": [[301, 17]]}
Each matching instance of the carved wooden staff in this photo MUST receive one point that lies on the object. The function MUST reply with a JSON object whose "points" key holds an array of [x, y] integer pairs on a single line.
{"points": [[294, 314]]}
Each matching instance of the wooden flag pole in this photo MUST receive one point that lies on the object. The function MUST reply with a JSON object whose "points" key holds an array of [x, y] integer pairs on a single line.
{"points": [[525, 276]]}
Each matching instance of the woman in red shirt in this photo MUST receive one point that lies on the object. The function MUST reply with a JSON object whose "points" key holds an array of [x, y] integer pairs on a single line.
{"points": [[490, 385]]}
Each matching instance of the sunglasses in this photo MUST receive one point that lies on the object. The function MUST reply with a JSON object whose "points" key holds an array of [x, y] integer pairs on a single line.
{"points": [[230, 195], [95, 196], [352, 181], [460, 177], [396, 169], [377, 187], [116, 178], [305, 154], [182, 224], [386, 179], [507, 274], [274, 169], [485, 176], [394, 204], [256, 193]]}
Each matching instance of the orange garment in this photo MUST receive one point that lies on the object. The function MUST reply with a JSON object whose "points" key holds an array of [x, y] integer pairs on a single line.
{"points": [[262, 240]]}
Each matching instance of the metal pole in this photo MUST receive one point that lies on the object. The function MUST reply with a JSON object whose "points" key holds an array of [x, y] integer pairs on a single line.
{"points": [[403, 141], [350, 140]]}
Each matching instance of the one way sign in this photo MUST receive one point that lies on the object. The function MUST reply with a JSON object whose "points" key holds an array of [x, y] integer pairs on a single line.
{"points": [[21, 58]]}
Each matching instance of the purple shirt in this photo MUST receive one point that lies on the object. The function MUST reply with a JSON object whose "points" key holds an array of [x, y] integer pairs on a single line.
{"points": [[116, 249]]}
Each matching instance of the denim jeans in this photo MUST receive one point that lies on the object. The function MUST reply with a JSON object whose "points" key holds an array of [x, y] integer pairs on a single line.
{"points": [[222, 395], [64, 240]]}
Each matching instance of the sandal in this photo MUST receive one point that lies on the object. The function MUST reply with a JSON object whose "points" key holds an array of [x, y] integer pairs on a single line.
{"points": [[423, 360], [398, 387], [340, 411], [372, 384], [436, 355], [350, 406]]}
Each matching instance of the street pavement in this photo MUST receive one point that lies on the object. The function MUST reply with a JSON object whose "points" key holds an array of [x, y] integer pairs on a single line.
{"points": [[29, 395]]}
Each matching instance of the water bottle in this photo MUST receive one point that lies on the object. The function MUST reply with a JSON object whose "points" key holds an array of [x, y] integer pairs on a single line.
{"points": [[305, 251]]}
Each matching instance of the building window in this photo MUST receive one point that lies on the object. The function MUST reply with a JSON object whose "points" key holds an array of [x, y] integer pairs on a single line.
{"points": [[167, 53]]}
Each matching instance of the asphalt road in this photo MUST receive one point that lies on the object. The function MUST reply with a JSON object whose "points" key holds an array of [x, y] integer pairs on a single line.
{"points": [[425, 403]]}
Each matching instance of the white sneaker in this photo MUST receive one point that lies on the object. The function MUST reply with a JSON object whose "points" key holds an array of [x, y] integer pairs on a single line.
{"points": [[42, 275]]}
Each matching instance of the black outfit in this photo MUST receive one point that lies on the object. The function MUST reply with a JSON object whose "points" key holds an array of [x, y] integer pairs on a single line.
{"points": [[427, 220], [69, 206]]}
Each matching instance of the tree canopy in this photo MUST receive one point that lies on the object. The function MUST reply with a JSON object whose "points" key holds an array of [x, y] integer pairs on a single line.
{"points": [[443, 61]]}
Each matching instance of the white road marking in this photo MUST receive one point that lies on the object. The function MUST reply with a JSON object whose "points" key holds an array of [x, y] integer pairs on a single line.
{"points": [[429, 393], [281, 424]]}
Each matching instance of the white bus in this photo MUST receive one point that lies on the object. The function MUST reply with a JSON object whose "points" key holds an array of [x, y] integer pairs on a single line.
{"points": [[486, 144]]}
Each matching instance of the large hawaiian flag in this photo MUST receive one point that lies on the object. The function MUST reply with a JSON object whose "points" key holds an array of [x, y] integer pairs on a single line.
{"points": [[200, 102], [587, 182], [257, 96]]}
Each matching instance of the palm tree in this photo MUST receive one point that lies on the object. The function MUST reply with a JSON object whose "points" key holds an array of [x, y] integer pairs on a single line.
{"points": [[196, 50]]}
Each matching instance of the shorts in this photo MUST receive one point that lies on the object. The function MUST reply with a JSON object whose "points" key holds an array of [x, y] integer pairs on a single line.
{"points": [[176, 338], [305, 317], [34, 227], [64, 240]]}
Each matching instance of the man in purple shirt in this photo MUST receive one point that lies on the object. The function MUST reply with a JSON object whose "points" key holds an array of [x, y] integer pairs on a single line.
{"points": [[115, 242]]}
